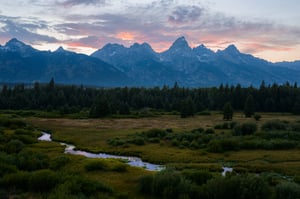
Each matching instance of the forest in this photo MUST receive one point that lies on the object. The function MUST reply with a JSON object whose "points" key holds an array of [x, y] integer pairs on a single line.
{"points": [[101, 102]]}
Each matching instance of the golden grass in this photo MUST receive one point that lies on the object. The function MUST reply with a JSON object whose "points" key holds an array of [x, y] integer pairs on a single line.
{"points": [[92, 134]]}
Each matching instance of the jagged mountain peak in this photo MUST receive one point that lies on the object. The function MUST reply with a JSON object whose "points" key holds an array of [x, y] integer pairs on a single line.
{"points": [[180, 43], [202, 48], [14, 41], [232, 49], [59, 49], [15, 44], [113, 45], [145, 47]]}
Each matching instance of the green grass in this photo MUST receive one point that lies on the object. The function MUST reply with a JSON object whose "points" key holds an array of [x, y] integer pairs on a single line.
{"points": [[92, 135]]}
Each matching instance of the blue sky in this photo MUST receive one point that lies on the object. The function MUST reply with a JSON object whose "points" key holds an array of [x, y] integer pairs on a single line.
{"points": [[268, 29]]}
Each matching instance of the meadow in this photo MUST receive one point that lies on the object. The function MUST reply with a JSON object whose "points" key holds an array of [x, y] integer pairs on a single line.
{"points": [[193, 149], [93, 135]]}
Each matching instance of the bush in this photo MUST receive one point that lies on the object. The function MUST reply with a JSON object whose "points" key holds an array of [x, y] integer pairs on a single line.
{"points": [[244, 129], [257, 117], [77, 186], [7, 168], [168, 184], [26, 139], [198, 130], [116, 142], [120, 167], [229, 144], [43, 180], [12, 123], [17, 180], [209, 131], [30, 161], [14, 146], [237, 187], [95, 165], [198, 177], [59, 162], [23, 132], [165, 184], [295, 127], [215, 146], [145, 184], [274, 125], [287, 190], [154, 133]]}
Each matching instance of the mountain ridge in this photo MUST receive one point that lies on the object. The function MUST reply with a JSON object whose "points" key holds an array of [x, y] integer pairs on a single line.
{"points": [[200, 66], [140, 65]]}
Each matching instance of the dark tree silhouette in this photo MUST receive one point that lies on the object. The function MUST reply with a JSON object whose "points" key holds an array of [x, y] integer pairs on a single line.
{"points": [[227, 111], [249, 108]]}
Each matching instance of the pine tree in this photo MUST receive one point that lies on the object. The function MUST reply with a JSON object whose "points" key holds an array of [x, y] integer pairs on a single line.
{"points": [[101, 108], [187, 108], [227, 111], [249, 108]]}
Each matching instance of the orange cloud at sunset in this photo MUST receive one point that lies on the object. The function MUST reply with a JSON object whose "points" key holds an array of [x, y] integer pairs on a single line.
{"points": [[126, 36]]}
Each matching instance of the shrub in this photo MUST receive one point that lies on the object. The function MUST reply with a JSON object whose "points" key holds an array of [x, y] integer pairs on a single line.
{"points": [[23, 132], [198, 130], [153, 133], [274, 125], [283, 144], [120, 167], [257, 117], [244, 129], [168, 184], [194, 144], [198, 177], [138, 140], [295, 127], [30, 161], [14, 146], [287, 190], [175, 142], [116, 142], [12, 123], [6, 168], [215, 146], [17, 180], [229, 144], [162, 184], [237, 187], [95, 165], [145, 184], [169, 130], [209, 131], [77, 186], [26, 139], [59, 162], [43, 180]]}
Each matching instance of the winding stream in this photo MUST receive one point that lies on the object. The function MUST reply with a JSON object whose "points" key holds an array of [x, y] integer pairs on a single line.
{"points": [[132, 161]]}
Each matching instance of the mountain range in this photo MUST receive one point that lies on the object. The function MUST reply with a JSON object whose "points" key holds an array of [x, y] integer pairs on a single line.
{"points": [[139, 65]]}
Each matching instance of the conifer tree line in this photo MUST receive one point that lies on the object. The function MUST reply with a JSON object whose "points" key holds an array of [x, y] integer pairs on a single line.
{"points": [[104, 101]]}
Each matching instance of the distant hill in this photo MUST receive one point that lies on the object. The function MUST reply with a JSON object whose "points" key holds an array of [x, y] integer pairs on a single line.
{"points": [[140, 65]]}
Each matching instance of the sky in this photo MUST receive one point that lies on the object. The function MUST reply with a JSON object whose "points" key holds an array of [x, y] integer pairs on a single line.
{"points": [[268, 29]]}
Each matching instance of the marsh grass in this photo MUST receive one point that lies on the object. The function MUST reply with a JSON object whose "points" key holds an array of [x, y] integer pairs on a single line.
{"points": [[92, 135]]}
